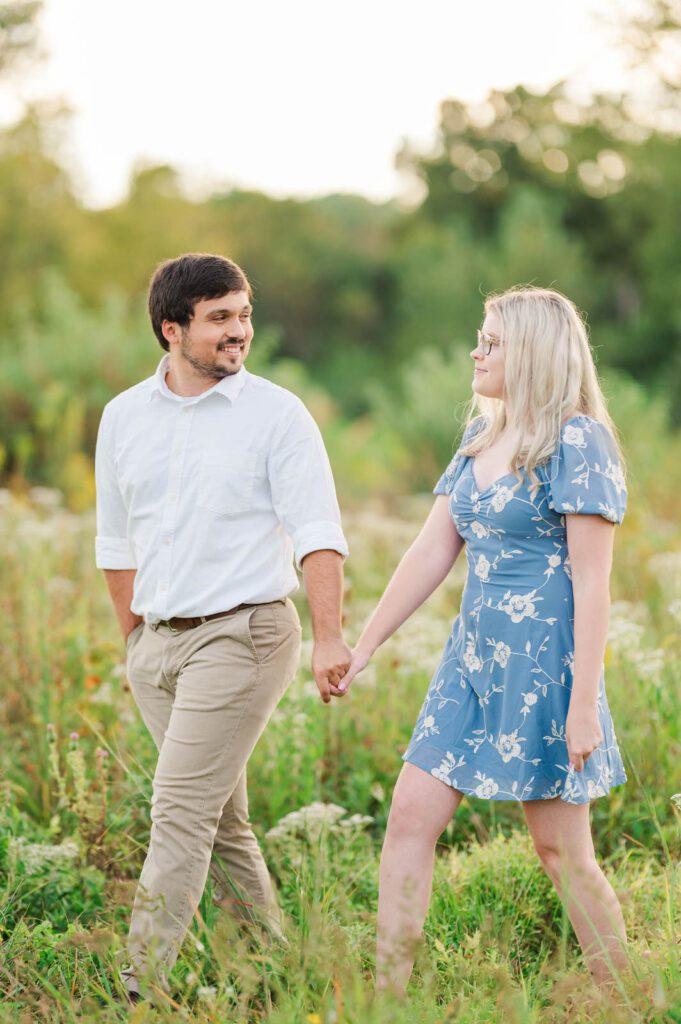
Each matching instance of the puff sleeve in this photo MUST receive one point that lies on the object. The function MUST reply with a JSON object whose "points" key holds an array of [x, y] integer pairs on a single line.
{"points": [[585, 475], [446, 482]]}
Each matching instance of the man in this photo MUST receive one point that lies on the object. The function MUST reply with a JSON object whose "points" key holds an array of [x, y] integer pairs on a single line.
{"points": [[209, 479]]}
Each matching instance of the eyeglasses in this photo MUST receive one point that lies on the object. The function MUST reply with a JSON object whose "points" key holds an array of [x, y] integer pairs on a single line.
{"points": [[487, 342]]}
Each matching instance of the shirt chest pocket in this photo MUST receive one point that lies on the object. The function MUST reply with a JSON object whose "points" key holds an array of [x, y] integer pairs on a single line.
{"points": [[227, 482]]}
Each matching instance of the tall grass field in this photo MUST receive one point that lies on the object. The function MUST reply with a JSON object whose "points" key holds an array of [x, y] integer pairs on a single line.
{"points": [[77, 766]]}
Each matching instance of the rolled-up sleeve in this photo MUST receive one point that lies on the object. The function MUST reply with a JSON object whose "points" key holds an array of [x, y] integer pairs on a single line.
{"points": [[303, 491], [112, 549]]}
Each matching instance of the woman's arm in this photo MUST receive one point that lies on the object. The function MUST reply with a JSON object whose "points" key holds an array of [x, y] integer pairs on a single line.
{"points": [[423, 567], [590, 543]]}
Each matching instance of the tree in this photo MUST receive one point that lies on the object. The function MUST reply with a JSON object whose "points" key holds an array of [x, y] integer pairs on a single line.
{"points": [[18, 33]]}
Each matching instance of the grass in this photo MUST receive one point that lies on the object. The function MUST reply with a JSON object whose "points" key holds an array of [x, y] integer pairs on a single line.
{"points": [[76, 778]]}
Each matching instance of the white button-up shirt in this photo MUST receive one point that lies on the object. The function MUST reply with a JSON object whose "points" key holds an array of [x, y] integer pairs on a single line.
{"points": [[209, 497]]}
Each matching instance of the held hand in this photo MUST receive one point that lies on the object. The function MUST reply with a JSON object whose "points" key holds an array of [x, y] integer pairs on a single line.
{"points": [[330, 660], [583, 735], [360, 660]]}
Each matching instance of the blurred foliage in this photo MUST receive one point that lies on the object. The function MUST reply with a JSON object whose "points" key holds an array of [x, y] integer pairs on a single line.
{"points": [[376, 304]]}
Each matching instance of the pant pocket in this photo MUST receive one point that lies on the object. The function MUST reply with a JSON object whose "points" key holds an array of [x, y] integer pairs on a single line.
{"points": [[264, 630]]}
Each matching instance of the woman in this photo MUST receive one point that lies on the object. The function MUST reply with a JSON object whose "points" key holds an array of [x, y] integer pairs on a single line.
{"points": [[517, 708]]}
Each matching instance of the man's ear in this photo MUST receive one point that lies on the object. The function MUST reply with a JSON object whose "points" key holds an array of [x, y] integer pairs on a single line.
{"points": [[171, 331]]}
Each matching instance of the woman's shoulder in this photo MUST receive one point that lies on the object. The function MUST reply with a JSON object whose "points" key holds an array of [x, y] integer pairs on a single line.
{"points": [[583, 431], [473, 428]]}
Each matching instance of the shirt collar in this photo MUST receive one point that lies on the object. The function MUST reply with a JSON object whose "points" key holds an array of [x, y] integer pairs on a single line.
{"points": [[230, 386]]}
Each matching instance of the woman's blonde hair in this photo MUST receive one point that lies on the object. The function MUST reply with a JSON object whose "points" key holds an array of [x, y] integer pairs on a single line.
{"points": [[549, 376]]}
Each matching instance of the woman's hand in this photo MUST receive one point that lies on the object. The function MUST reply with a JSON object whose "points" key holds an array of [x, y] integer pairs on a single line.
{"points": [[583, 734], [358, 662]]}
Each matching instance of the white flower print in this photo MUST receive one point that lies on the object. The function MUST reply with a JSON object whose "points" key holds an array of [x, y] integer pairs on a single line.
{"points": [[574, 436], [518, 606], [447, 765], [615, 473], [501, 692], [482, 568], [501, 498], [502, 653], [429, 727], [508, 746], [479, 529], [487, 788], [471, 659], [608, 512]]}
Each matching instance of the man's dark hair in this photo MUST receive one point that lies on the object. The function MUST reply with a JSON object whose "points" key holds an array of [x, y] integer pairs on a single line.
{"points": [[177, 285]]}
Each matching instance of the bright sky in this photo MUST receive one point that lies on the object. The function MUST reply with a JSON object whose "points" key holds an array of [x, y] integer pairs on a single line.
{"points": [[300, 97]]}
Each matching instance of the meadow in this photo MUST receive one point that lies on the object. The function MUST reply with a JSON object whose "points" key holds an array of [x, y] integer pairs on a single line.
{"points": [[77, 768]]}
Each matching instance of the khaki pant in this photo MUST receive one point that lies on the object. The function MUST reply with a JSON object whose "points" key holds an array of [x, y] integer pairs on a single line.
{"points": [[206, 695]]}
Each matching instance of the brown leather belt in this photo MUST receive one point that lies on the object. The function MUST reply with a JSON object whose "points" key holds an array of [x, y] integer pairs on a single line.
{"points": [[178, 624]]}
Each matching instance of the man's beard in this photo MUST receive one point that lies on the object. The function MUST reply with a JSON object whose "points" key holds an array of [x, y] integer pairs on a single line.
{"points": [[211, 371]]}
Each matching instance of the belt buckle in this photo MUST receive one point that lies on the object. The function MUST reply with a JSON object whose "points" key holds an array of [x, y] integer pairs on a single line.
{"points": [[166, 622]]}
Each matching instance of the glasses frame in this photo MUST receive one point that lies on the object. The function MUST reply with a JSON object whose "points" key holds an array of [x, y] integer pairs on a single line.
{"points": [[487, 342]]}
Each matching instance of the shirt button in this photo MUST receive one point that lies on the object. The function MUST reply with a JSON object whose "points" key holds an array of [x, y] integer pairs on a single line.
{"points": [[163, 588], [166, 540]]}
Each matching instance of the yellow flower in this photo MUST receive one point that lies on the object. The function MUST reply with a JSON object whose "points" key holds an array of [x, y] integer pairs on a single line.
{"points": [[314, 1018]]}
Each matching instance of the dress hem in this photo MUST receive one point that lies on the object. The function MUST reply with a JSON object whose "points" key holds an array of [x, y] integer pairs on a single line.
{"points": [[619, 780]]}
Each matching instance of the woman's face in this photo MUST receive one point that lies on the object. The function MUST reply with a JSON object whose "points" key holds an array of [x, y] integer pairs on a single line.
{"points": [[488, 378]]}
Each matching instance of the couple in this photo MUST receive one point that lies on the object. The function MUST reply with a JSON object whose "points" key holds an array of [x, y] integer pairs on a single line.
{"points": [[209, 480]]}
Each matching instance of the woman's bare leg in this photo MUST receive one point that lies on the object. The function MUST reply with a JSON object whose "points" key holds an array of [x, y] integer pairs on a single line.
{"points": [[422, 807], [562, 837]]}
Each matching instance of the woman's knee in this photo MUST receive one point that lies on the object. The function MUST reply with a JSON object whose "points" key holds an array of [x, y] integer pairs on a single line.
{"points": [[558, 863], [408, 820]]}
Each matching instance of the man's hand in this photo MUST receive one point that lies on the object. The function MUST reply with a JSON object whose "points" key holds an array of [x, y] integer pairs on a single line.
{"points": [[330, 661]]}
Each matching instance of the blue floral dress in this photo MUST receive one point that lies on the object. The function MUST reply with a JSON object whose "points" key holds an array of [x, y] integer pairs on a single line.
{"points": [[493, 721]]}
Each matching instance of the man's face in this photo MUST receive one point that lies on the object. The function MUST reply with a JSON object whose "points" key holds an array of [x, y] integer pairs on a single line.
{"points": [[218, 337]]}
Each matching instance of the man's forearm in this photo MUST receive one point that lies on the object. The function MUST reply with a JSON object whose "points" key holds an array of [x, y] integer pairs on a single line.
{"points": [[121, 583], [323, 578]]}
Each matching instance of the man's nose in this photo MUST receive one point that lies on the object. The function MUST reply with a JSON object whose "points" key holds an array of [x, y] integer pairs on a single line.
{"points": [[237, 330]]}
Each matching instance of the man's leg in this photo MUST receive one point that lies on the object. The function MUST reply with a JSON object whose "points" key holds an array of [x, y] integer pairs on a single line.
{"points": [[230, 675], [239, 868]]}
